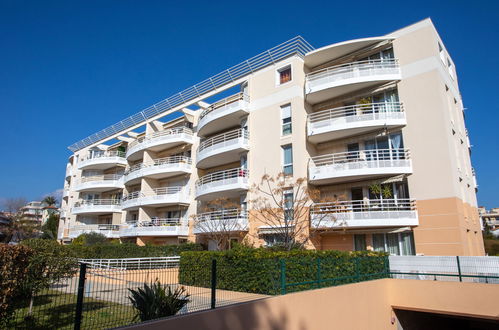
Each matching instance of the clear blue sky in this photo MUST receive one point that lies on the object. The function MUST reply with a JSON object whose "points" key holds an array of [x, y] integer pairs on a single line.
{"points": [[95, 62]]}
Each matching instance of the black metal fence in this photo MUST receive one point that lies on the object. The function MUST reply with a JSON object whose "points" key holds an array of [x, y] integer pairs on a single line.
{"points": [[98, 296]]}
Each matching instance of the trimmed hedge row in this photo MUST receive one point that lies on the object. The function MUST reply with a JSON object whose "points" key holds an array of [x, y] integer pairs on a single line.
{"points": [[127, 250], [260, 270]]}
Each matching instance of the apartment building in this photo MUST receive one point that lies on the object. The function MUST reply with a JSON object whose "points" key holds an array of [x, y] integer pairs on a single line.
{"points": [[375, 124]]}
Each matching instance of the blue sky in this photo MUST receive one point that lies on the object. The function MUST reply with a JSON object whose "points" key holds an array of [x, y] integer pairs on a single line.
{"points": [[96, 62]]}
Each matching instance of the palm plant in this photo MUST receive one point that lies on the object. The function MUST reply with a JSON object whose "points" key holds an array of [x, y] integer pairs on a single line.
{"points": [[155, 301], [49, 200]]}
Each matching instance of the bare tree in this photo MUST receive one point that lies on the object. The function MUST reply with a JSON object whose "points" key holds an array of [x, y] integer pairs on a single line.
{"points": [[13, 205], [222, 224], [283, 207]]}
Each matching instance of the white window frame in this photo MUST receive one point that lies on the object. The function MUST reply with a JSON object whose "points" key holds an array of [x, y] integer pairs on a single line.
{"points": [[284, 164], [284, 116], [278, 74]]}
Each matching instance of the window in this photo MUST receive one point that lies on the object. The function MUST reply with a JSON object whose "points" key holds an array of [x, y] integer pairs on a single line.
{"points": [[286, 119], [395, 244], [441, 53], [360, 242], [288, 205], [287, 165], [284, 74], [273, 239]]}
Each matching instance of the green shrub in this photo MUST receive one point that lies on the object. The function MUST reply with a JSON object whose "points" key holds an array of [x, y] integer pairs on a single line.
{"points": [[259, 270], [14, 261], [90, 239], [128, 250], [156, 301]]}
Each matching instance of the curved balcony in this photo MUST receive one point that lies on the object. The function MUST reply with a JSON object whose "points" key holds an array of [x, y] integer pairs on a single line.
{"points": [[65, 192], [156, 227], [228, 183], [99, 183], [158, 141], [342, 122], [346, 78], [97, 206], [110, 231], [230, 109], [223, 148], [359, 165], [164, 196], [159, 169], [364, 214], [102, 160], [230, 220]]}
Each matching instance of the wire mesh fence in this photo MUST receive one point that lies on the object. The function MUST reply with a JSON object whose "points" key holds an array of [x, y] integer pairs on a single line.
{"points": [[446, 268]]}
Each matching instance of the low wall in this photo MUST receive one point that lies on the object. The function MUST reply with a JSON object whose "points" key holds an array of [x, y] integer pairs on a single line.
{"points": [[365, 305]]}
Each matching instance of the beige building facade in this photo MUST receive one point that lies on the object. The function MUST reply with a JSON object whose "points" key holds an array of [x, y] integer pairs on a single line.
{"points": [[376, 125]]}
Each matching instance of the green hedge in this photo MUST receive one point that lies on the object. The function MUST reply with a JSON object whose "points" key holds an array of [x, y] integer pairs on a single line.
{"points": [[260, 270], [127, 250]]}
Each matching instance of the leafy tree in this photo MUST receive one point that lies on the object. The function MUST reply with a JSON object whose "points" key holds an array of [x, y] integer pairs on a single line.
{"points": [[51, 227], [49, 264], [90, 239], [156, 301], [49, 200]]}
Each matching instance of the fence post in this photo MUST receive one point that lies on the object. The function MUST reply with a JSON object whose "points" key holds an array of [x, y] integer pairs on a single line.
{"points": [[459, 269], [319, 277], [79, 298], [387, 267], [213, 283], [283, 276], [357, 273]]}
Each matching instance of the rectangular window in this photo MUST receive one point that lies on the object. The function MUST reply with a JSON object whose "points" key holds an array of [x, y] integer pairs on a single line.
{"points": [[287, 160], [284, 74], [288, 205], [360, 242], [286, 119]]}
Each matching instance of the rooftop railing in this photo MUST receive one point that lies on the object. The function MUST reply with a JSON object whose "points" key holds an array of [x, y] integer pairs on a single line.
{"points": [[357, 112], [166, 132], [295, 46], [224, 102], [354, 69], [361, 156], [222, 139], [222, 175], [160, 162]]}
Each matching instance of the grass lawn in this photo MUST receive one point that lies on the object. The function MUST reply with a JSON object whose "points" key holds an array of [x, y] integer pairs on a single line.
{"points": [[56, 310]]}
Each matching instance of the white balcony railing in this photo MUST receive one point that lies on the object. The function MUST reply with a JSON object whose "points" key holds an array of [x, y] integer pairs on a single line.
{"points": [[108, 230], [233, 179], [157, 196], [355, 70], [228, 220], [222, 108], [99, 157], [160, 165], [97, 206], [364, 213], [360, 163], [177, 134], [100, 182], [222, 143], [354, 116], [157, 227]]}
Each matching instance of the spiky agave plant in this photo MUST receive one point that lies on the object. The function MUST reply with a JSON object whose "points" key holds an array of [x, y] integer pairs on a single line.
{"points": [[155, 301]]}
